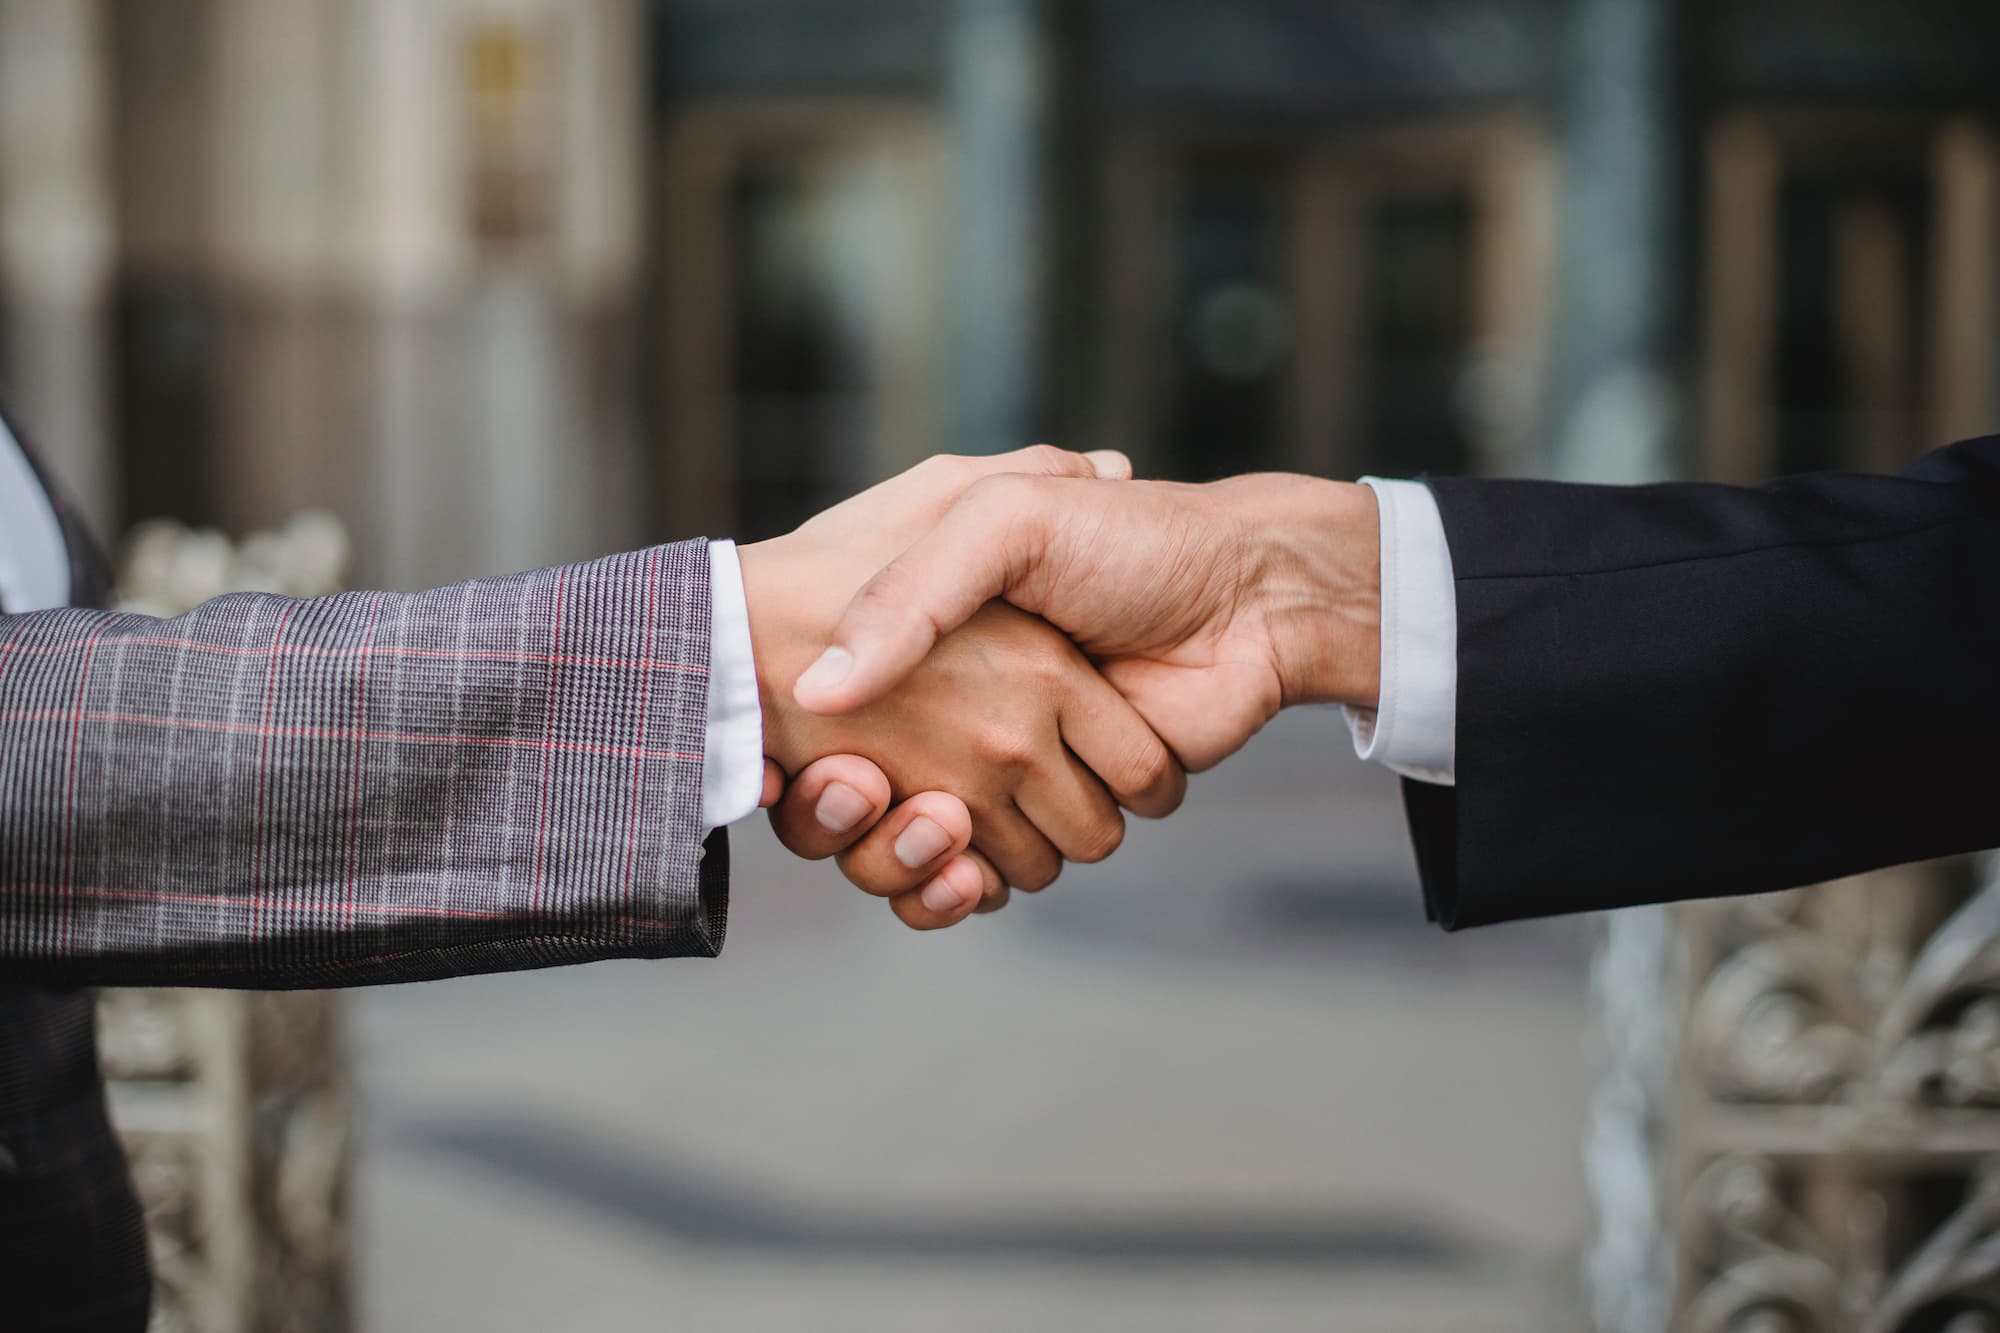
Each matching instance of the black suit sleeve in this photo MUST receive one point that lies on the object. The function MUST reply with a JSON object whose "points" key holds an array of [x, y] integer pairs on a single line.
{"points": [[1688, 691]]}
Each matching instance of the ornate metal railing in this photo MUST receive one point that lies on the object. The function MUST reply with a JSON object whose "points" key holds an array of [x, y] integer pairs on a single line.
{"points": [[1810, 1140], [233, 1105]]}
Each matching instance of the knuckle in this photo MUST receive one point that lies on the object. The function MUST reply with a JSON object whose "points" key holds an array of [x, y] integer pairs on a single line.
{"points": [[886, 600], [1002, 490], [1039, 875], [795, 835], [1010, 749], [868, 878], [914, 917], [1150, 771], [1048, 459], [881, 590], [1009, 510], [1041, 662], [944, 465], [1100, 840]]}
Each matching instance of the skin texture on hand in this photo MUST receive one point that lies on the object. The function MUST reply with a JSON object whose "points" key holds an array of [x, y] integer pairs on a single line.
{"points": [[1208, 607], [1004, 713], [836, 807]]}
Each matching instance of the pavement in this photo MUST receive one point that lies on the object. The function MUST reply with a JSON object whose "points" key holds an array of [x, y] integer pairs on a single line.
{"points": [[1229, 1080]]}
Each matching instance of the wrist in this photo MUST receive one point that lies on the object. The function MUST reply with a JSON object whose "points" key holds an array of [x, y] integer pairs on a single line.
{"points": [[785, 633], [1318, 585]]}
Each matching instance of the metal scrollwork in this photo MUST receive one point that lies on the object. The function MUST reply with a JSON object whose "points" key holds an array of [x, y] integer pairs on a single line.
{"points": [[1799, 1015], [1768, 1267], [1825, 1148]]}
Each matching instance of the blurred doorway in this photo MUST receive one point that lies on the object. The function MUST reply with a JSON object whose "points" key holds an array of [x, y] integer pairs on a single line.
{"points": [[801, 308], [1371, 299], [1851, 273]]}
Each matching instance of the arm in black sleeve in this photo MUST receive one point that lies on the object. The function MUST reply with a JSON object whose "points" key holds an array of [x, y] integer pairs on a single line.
{"points": [[1691, 690]]}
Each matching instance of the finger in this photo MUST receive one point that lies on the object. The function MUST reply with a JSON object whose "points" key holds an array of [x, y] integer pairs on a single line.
{"points": [[965, 885], [830, 806], [1046, 460], [1025, 858], [910, 846], [993, 891], [1114, 742], [774, 785], [1110, 465], [1072, 809], [990, 539], [926, 491]]}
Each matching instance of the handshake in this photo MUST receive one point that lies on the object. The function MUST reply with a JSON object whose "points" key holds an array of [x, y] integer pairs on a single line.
{"points": [[969, 673]]}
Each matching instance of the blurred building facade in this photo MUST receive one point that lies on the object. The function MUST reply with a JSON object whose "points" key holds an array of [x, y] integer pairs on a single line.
{"points": [[375, 256], [510, 281]]}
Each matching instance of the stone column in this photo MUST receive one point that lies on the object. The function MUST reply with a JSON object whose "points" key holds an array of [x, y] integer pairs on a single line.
{"points": [[1620, 332], [275, 213], [997, 75], [57, 238], [401, 259], [1616, 417], [491, 392]]}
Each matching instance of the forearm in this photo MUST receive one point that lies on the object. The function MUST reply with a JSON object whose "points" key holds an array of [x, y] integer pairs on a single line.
{"points": [[372, 787]]}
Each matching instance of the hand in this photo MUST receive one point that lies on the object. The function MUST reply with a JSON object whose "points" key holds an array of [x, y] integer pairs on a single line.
{"points": [[835, 807], [1208, 607], [1005, 712]]}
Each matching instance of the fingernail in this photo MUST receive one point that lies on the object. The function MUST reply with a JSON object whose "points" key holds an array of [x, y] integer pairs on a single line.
{"points": [[923, 842], [829, 671], [940, 896], [840, 808], [1109, 463]]}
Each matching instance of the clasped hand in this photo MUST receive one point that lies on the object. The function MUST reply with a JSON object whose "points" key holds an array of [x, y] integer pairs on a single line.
{"points": [[971, 671]]}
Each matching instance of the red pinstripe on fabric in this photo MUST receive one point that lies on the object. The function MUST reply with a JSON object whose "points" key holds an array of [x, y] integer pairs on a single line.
{"points": [[360, 748], [344, 734], [264, 769], [639, 739], [325, 841], [13, 646], [327, 911], [69, 787], [377, 650], [549, 736]]}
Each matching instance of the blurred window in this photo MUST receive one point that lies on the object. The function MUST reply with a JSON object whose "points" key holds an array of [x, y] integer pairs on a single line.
{"points": [[1372, 302], [510, 120], [1416, 334], [1849, 318], [1233, 349], [1850, 298], [801, 301], [802, 339], [166, 337]]}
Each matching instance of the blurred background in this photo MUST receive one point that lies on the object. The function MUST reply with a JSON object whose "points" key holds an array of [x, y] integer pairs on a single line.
{"points": [[507, 282]]}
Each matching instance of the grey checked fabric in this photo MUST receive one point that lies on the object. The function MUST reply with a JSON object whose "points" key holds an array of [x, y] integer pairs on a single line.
{"points": [[365, 788]]}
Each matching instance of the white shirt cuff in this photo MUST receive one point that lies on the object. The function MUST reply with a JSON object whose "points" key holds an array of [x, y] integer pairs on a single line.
{"points": [[34, 558], [732, 770], [1413, 728]]}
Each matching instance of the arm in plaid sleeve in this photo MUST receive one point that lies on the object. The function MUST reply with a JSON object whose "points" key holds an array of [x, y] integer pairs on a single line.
{"points": [[365, 788]]}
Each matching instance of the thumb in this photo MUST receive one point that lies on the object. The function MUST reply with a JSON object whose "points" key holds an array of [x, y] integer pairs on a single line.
{"points": [[1047, 460], [984, 546]]}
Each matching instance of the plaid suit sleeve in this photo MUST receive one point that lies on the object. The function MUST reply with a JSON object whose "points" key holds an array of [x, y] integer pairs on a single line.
{"points": [[365, 788]]}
